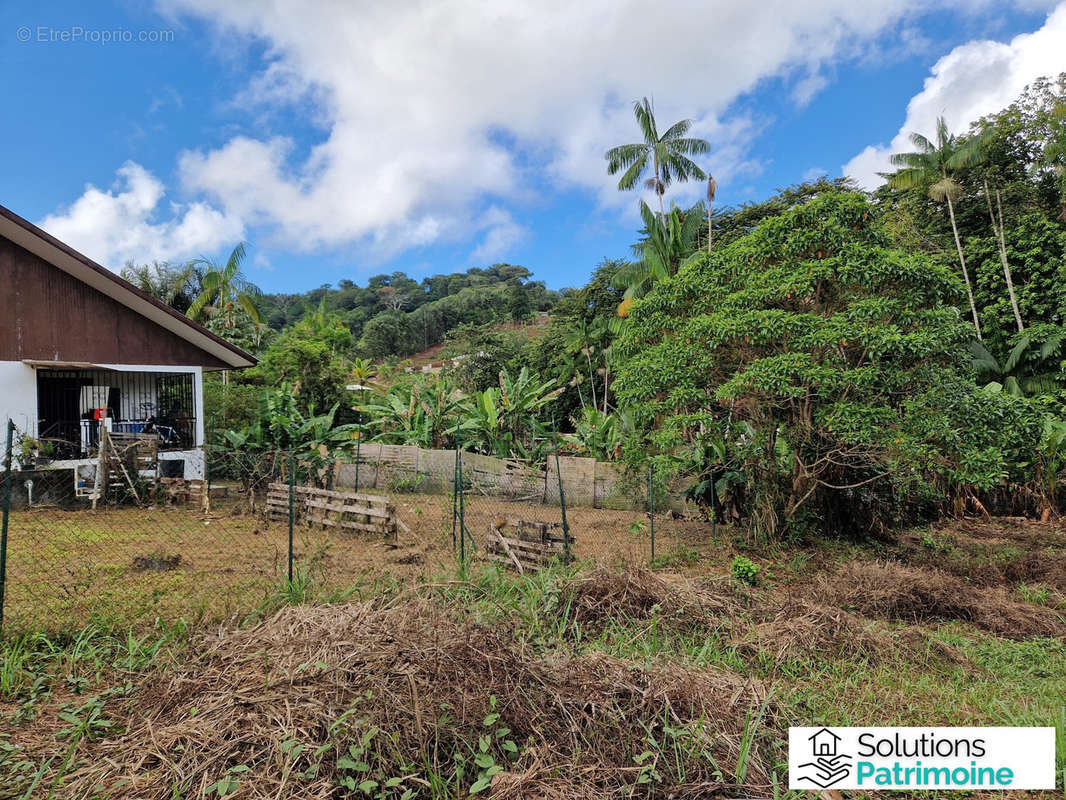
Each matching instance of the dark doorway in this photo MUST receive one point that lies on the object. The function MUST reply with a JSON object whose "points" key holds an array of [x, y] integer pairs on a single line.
{"points": [[58, 412]]}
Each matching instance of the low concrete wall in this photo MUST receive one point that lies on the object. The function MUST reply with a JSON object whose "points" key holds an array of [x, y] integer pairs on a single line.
{"points": [[50, 487], [585, 481]]}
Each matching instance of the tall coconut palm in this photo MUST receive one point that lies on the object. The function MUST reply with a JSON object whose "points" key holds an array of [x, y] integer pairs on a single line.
{"points": [[224, 288], [932, 166], [1001, 241], [667, 155]]}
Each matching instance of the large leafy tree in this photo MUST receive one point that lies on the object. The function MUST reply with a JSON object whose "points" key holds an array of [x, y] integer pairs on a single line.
{"points": [[932, 166], [665, 156], [312, 356], [827, 368]]}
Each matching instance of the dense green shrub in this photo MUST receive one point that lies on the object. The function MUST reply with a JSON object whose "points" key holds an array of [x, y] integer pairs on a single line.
{"points": [[832, 369]]}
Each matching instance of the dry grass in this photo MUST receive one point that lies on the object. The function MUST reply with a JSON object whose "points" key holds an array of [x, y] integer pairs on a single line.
{"points": [[606, 596], [1005, 550], [325, 676], [805, 631], [912, 594], [67, 568]]}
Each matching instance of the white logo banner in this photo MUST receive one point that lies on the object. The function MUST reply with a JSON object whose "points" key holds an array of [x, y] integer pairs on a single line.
{"points": [[921, 758]]}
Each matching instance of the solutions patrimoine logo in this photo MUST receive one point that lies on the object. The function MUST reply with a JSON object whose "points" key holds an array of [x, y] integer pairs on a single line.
{"points": [[887, 758], [829, 766]]}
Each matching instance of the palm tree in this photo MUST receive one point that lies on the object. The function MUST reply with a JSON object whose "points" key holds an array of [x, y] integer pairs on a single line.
{"points": [[1032, 367], [173, 285], [668, 241], [363, 371], [224, 289], [932, 165], [1001, 241], [668, 154], [581, 339]]}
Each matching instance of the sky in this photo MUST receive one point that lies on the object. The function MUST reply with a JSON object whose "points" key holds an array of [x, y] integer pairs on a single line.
{"points": [[343, 139]]}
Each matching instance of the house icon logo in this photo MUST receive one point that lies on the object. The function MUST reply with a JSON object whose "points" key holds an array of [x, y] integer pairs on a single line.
{"points": [[829, 766]]}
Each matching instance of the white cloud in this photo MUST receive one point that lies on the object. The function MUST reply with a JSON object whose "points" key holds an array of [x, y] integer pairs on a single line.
{"points": [[113, 226], [973, 80], [434, 109], [502, 233]]}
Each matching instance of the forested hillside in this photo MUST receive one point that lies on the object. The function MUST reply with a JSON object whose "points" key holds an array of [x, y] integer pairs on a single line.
{"points": [[397, 315]]}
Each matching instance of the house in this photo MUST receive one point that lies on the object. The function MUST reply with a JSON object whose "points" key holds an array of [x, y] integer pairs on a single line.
{"points": [[824, 742], [81, 348]]}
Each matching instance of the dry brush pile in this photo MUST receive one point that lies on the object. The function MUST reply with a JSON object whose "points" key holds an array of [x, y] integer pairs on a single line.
{"points": [[416, 691], [912, 594]]}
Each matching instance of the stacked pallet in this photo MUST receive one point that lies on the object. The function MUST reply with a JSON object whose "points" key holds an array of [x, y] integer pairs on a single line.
{"points": [[333, 509], [526, 545], [180, 490]]}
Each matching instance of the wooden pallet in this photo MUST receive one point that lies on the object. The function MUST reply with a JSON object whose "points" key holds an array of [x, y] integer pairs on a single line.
{"points": [[122, 463], [525, 545], [179, 490], [332, 509]]}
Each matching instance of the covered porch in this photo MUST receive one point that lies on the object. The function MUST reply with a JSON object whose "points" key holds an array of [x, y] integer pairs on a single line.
{"points": [[75, 401]]}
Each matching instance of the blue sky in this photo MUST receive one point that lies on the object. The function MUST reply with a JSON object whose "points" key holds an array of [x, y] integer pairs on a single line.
{"points": [[344, 140]]}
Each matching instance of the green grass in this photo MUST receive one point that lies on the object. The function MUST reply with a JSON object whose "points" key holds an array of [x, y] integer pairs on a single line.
{"points": [[1003, 683]]}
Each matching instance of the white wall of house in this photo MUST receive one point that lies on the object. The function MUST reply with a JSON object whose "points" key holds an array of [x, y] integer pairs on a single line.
{"points": [[18, 396]]}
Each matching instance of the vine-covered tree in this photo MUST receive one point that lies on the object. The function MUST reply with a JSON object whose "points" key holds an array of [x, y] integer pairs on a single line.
{"points": [[827, 368]]}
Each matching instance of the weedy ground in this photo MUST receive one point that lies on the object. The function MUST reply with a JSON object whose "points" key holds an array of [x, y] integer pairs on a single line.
{"points": [[580, 682]]}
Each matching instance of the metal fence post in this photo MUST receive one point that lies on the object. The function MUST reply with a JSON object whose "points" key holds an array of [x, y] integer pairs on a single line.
{"points": [[358, 445], [455, 492], [292, 493], [7, 509], [462, 517], [562, 496], [651, 510]]}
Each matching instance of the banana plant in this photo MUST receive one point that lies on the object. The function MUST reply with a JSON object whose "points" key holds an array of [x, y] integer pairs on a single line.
{"points": [[422, 414], [1051, 461], [597, 434], [398, 418], [506, 421]]}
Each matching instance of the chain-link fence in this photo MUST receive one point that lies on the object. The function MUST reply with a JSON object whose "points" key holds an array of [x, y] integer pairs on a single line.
{"points": [[132, 535]]}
